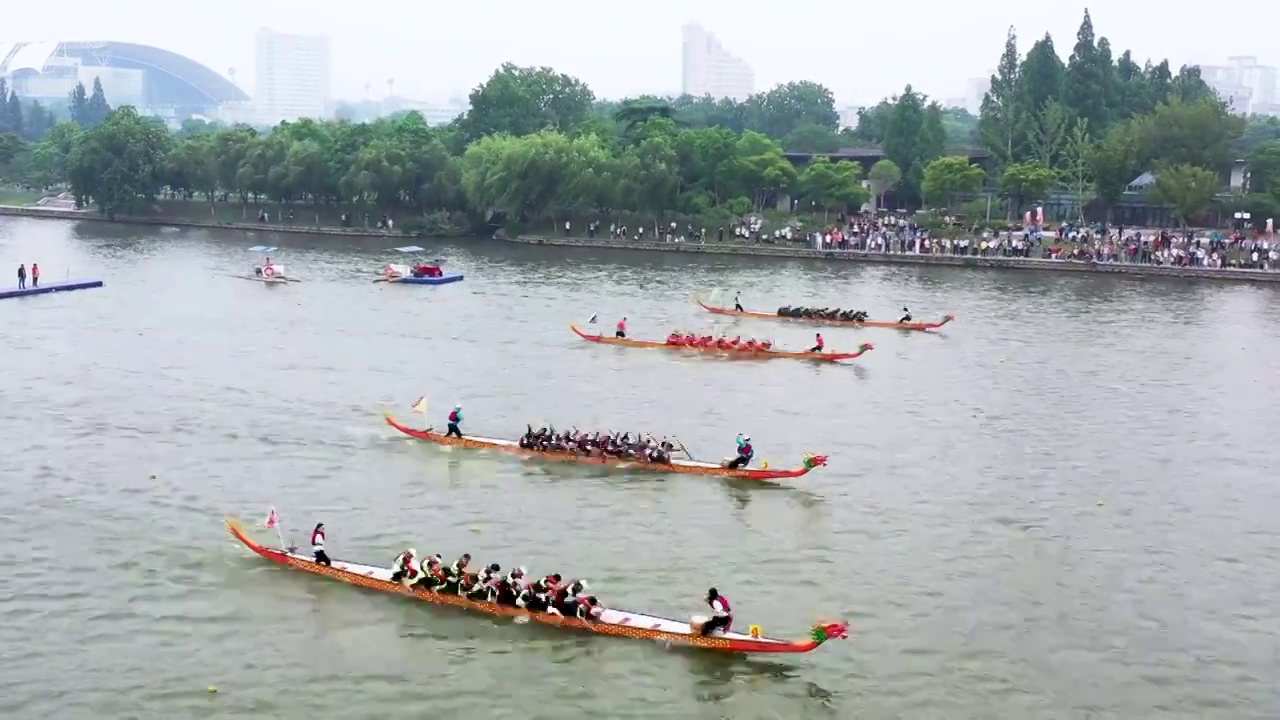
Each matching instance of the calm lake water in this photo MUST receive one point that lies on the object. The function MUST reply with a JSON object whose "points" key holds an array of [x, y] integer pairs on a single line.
{"points": [[1060, 507]]}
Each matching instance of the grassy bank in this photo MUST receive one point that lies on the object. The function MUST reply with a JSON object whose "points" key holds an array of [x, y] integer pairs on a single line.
{"points": [[19, 198]]}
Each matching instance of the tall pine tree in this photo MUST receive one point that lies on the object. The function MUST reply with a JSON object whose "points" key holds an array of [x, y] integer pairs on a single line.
{"points": [[1088, 84], [12, 112], [79, 105], [999, 119], [98, 109]]}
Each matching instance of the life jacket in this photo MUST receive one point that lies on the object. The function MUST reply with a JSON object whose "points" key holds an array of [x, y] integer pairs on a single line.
{"points": [[317, 539], [746, 450], [724, 602], [821, 343], [673, 339], [453, 416]]}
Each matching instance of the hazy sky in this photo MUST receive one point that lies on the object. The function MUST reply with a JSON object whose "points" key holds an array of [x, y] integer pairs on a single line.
{"points": [[434, 50]]}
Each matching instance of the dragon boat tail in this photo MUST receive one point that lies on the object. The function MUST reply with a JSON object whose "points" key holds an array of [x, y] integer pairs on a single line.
{"points": [[619, 623], [687, 467], [917, 326], [755, 354]]}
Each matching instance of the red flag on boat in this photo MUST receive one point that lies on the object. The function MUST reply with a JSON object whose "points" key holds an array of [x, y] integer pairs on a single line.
{"points": [[273, 519]]}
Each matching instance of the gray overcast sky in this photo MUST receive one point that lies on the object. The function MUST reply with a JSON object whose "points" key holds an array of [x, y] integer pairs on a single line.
{"points": [[434, 50]]}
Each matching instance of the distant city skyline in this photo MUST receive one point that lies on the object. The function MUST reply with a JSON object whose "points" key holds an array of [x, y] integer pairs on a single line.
{"points": [[709, 69]]}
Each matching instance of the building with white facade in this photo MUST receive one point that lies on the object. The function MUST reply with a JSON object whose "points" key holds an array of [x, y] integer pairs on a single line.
{"points": [[710, 69], [292, 76], [1246, 86]]}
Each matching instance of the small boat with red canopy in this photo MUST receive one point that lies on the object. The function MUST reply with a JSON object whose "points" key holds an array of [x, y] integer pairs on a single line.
{"points": [[421, 272]]}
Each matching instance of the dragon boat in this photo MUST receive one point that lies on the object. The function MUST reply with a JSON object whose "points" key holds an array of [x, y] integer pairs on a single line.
{"points": [[619, 623], [756, 354], [918, 326], [687, 467]]}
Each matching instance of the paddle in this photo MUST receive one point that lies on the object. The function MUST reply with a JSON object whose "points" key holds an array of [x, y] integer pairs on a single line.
{"points": [[683, 449]]}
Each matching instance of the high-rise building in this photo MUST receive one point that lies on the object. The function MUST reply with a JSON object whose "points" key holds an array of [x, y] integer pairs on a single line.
{"points": [[1245, 85], [293, 76], [710, 69]]}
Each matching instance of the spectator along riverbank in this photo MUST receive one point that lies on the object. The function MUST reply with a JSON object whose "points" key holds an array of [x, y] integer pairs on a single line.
{"points": [[967, 252]]}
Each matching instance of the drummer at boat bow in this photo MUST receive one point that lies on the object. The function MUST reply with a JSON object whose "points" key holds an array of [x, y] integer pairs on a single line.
{"points": [[745, 452], [455, 422], [721, 613], [622, 328], [317, 545], [819, 345]]}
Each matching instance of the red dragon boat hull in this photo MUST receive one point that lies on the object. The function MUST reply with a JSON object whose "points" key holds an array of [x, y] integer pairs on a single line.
{"points": [[619, 623], [686, 467], [919, 326], [746, 354]]}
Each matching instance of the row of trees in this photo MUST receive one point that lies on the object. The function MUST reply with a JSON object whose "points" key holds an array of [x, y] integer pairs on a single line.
{"points": [[537, 145]]}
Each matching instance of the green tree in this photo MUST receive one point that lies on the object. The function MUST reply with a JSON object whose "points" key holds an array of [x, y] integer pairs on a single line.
{"points": [[1258, 129], [763, 171], [1041, 78], [961, 127], [705, 112], [946, 176], [1089, 84], [832, 185], [1077, 170], [1047, 134], [1001, 114], [1200, 133], [1114, 162], [913, 138], [1026, 182], [119, 164], [79, 105], [884, 176], [811, 138], [96, 109], [1264, 168], [1186, 189], [524, 100], [782, 110]]}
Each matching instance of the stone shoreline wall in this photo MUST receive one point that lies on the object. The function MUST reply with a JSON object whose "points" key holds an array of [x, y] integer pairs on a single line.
{"points": [[716, 248], [713, 248], [45, 213]]}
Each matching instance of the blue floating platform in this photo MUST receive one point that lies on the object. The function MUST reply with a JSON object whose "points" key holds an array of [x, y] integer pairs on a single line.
{"points": [[442, 280], [53, 287]]}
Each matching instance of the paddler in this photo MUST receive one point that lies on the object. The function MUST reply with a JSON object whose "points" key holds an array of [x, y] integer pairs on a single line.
{"points": [[721, 614], [737, 302], [819, 345], [455, 420], [745, 452], [317, 545], [621, 332], [751, 344], [906, 315], [404, 569], [674, 338]]}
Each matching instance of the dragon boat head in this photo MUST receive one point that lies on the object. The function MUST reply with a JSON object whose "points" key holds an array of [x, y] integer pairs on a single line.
{"points": [[829, 630], [864, 347], [948, 318], [812, 461]]}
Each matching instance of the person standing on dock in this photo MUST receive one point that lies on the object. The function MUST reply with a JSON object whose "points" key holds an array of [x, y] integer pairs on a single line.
{"points": [[22, 277], [622, 329], [35, 275]]}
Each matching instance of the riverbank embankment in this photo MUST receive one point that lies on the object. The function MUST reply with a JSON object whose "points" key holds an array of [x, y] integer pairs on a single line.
{"points": [[47, 213], [765, 250], [711, 248]]}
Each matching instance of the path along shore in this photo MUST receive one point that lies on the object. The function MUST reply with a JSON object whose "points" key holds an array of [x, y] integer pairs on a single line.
{"points": [[716, 248], [712, 248]]}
